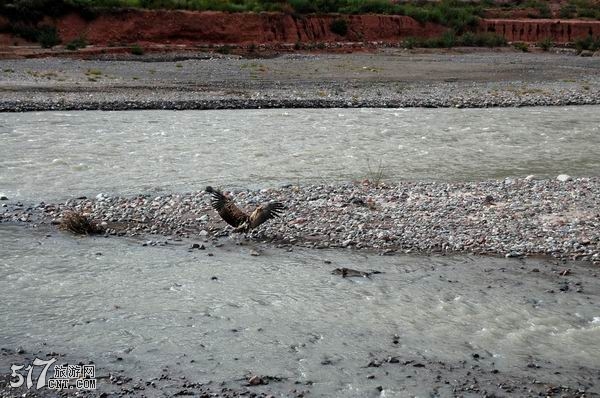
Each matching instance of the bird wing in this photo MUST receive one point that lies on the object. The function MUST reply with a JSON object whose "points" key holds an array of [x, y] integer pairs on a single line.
{"points": [[227, 209], [264, 213]]}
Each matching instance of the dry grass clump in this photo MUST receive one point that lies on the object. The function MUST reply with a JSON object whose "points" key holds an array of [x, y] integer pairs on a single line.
{"points": [[80, 224]]}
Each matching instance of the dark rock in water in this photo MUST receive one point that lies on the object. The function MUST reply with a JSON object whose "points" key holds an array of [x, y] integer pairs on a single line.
{"points": [[255, 381], [513, 255], [2, 197], [349, 273]]}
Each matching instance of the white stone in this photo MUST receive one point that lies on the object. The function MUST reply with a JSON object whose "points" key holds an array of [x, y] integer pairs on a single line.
{"points": [[564, 177]]}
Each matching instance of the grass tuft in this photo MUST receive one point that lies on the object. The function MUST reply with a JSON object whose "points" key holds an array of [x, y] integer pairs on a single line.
{"points": [[79, 224]]}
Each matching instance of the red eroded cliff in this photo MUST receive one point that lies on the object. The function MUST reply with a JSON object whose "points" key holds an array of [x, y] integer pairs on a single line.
{"points": [[534, 30], [187, 27]]}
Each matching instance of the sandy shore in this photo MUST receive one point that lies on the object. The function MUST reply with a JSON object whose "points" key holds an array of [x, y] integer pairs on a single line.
{"points": [[385, 78]]}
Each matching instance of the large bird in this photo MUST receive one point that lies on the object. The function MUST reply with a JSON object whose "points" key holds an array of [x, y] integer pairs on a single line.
{"points": [[235, 217]]}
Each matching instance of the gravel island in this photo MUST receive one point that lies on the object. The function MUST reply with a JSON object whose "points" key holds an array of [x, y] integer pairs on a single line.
{"points": [[512, 217]]}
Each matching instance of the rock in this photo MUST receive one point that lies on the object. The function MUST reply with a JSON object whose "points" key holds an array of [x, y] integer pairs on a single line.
{"points": [[564, 178], [530, 177], [255, 253], [513, 255], [349, 273], [195, 246], [3, 197], [586, 53], [255, 381]]}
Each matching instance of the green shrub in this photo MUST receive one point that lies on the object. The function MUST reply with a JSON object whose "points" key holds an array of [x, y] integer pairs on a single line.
{"points": [[546, 44], [521, 47], [48, 36], [224, 49], [410, 42], [339, 26], [589, 43], [27, 32], [487, 39], [76, 44], [136, 49], [568, 11]]}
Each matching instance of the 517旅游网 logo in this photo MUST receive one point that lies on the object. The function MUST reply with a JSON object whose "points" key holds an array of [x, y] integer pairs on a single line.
{"points": [[64, 377]]}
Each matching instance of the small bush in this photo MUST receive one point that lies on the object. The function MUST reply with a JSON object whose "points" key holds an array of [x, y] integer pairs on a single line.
{"points": [[544, 11], [48, 36], [546, 44], [136, 49], [521, 47], [76, 44], [410, 42], [339, 27], [224, 49], [589, 43], [27, 32], [79, 224], [568, 11], [481, 40], [449, 39]]}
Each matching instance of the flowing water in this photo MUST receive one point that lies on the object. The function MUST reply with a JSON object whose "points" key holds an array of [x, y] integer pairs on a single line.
{"points": [[50, 155], [284, 313]]}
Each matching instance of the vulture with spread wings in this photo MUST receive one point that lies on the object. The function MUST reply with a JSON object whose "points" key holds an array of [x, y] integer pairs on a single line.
{"points": [[235, 217]]}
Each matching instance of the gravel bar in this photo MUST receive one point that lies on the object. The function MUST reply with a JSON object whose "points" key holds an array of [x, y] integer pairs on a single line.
{"points": [[388, 78], [512, 217]]}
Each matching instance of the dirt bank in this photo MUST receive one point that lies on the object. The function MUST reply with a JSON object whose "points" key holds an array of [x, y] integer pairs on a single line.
{"points": [[559, 31], [216, 28], [187, 27]]}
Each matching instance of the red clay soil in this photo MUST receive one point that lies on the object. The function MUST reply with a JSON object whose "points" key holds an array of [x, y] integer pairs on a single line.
{"points": [[535, 30], [148, 27], [187, 27]]}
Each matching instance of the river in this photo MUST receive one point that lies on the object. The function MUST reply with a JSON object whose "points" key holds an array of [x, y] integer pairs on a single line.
{"points": [[220, 317], [56, 155]]}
